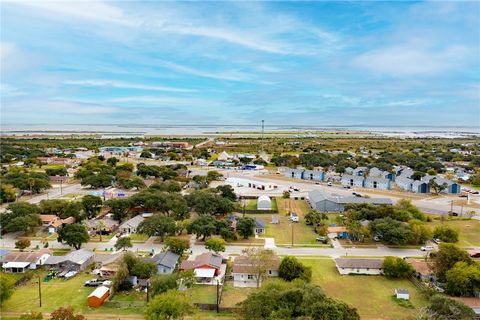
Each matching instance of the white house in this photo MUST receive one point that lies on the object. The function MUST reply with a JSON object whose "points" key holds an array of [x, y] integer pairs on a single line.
{"points": [[264, 203], [131, 225], [359, 266], [245, 272], [250, 183], [19, 262]]}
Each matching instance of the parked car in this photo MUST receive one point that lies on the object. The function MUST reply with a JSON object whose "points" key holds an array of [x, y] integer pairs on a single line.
{"points": [[347, 187], [294, 188], [322, 239], [70, 274], [107, 283], [294, 217], [463, 196], [93, 282], [453, 214], [436, 240], [475, 254], [356, 194], [329, 184], [426, 248]]}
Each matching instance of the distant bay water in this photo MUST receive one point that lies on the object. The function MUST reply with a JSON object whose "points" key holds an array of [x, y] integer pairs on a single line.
{"points": [[185, 129]]}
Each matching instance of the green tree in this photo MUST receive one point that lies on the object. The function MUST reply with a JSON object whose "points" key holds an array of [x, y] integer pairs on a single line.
{"points": [[73, 234], [158, 226], [226, 191], [170, 305], [96, 181], [32, 316], [315, 217], [261, 260], [92, 205], [204, 226], [446, 234], [215, 244], [7, 284], [436, 187], [245, 227], [143, 270], [463, 279], [396, 267], [392, 231], [446, 257], [7, 193], [145, 154], [442, 308], [286, 194], [123, 243], [56, 171], [119, 207], [163, 283], [21, 216], [112, 161], [290, 268], [177, 245], [22, 244]]}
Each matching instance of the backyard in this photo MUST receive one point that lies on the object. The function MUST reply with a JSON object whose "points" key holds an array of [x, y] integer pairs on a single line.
{"points": [[371, 295], [469, 230]]}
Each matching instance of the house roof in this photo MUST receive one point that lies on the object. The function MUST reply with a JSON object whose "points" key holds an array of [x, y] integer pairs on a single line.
{"points": [[47, 218], [336, 229], [421, 267], [16, 265], [205, 259], [259, 223], [359, 263], [243, 264], [317, 196], [77, 257], [166, 258], [204, 273], [59, 222], [29, 257], [351, 177], [377, 179], [133, 222]]}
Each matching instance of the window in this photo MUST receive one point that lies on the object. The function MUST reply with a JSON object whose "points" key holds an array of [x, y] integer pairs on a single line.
{"points": [[250, 277], [269, 271]]}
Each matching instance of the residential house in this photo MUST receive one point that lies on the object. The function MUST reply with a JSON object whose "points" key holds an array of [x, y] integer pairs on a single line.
{"points": [[450, 186], [360, 171], [107, 264], [404, 183], [375, 172], [19, 262], [251, 183], [208, 268], [359, 266], [419, 186], [165, 261], [245, 273], [52, 222], [349, 170], [423, 269], [260, 227], [131, 225], [472, 302], [378, 183], [335, 203], [58, 179], [224, 156], [352, 181], [76, 260], [337, 232]]}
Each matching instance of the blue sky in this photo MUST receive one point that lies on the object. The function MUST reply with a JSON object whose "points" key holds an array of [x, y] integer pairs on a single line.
{"points": [[305, 63]]}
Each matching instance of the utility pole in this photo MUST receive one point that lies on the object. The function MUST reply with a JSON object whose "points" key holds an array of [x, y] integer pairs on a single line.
{"points": [[40, 291], [218, 296], [148, 298], [292, 233], [61, 187]]}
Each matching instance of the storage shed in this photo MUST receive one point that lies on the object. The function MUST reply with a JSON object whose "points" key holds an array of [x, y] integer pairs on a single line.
{"points": [[98, 296], [264, 203], [402, 294]]}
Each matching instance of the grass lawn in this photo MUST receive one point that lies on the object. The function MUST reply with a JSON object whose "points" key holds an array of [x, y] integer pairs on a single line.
{"points": [[469, 230], [231, 295], [282, 232], [202, 294], [138, 237], [371, 295]]}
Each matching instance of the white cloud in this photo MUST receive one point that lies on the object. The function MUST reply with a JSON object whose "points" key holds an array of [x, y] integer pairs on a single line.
{"points": [[54, 107], [231, 75], [125, 85], [410, 60], [7, 91], [168, 101]]}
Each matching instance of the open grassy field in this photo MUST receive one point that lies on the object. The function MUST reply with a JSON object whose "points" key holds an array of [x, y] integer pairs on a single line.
{"points": [[231, 295], [371, 295], [469, 230], [202, 294]]}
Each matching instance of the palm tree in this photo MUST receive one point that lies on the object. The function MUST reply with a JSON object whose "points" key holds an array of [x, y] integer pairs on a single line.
{"points": [[315, 217]]}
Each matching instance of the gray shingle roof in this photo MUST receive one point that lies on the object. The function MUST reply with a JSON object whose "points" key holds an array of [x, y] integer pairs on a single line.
{"points": [[133, 222], [166, 258], [359, 263]]}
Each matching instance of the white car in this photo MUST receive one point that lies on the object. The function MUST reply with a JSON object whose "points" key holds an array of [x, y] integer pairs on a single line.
{"points": [[426, 248], [294, 217]]}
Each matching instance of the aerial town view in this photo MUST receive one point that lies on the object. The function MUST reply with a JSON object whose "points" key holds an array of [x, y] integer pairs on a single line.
{"points": [[313, 160]]}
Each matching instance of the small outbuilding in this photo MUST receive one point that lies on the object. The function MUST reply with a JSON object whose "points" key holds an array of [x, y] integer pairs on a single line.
{"points": [[264, 203], [98, 296], [402, 294]]}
